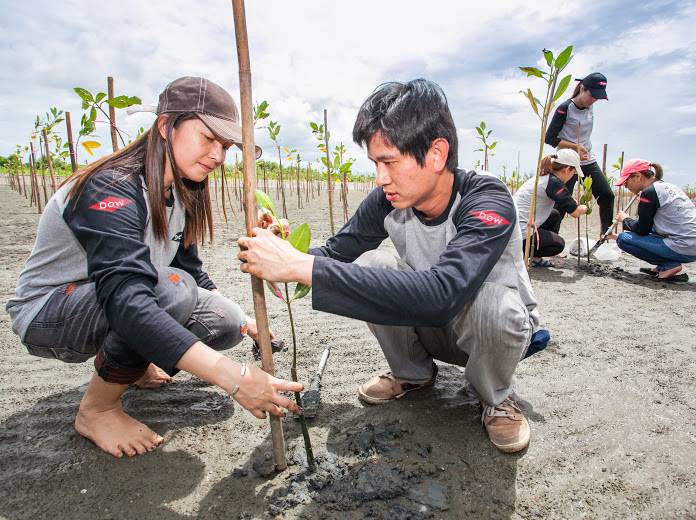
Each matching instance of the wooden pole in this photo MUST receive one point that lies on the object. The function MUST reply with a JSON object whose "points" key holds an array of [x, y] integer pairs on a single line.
{"points": [[43, 174], [71, 146], [50, 162], [249, 158], [112, 113], [35, 182], [329, 186]]}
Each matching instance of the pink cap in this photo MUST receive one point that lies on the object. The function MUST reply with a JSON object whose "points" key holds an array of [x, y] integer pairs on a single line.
{"points": [[631, 167]]}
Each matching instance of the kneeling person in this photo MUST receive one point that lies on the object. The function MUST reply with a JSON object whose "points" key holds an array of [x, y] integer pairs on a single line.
{"points": [[458, 290]]}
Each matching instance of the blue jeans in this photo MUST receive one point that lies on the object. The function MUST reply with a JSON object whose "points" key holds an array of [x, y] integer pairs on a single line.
{"points": [[652, 249]]}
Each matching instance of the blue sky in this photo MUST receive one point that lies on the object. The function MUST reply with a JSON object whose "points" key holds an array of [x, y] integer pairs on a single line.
{"points": [[307, 56]]}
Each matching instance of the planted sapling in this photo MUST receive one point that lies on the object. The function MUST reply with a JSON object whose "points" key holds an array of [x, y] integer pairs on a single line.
{"points": [[299, 238]]}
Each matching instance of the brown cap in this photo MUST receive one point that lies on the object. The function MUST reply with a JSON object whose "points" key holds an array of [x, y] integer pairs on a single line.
{"points": [[210, 102]]}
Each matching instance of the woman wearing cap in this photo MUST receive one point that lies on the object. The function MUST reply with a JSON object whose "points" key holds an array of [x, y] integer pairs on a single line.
{"points": [[115, 272], [556, 171], [664, 234], [571, 127]]}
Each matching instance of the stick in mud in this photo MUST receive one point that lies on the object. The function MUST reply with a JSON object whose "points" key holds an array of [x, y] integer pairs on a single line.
{"points": [[249, 164], [311, 399]]}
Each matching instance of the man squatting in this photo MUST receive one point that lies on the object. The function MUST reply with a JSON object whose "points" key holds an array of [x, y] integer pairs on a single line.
{"points": [[458, 291]]}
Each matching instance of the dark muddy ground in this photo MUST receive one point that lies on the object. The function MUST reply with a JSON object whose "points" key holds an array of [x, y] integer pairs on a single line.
{"points": [[611, 403]]}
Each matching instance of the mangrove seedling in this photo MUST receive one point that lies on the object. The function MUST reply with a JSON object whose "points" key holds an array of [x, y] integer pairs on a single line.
{"points": [[486, 147], [554, 90], [299, 238]]}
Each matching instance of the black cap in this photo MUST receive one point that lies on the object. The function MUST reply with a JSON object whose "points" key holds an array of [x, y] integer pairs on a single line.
{"points": [[596, 83]]}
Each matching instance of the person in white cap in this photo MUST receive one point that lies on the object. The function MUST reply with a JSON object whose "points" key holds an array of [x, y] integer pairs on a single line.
{"points": [[115, 273], [664, 232], [552, 195]]}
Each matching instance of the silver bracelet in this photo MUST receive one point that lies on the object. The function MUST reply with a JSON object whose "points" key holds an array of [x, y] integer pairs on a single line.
{"points": [[236, 386]]}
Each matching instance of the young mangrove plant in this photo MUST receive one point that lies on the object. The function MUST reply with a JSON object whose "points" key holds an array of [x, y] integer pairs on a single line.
{"points": [[587, 199], [322, 135], [93, 104], [299, 238], [554, 90], [486, 147]]}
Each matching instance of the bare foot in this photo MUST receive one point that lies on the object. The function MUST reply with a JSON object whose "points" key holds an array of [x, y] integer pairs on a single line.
{"points": [[101, 419], [116, 432], [154, 377]]}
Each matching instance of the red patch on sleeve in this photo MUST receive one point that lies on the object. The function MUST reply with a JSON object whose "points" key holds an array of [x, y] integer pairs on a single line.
{"points": [[643, 199], [490, 218], [111, 204], [561, 111], [560, 190], [70, 288], [174, 278]]}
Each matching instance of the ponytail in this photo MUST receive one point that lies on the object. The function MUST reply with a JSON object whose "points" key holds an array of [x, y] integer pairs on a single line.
{"points": [[577, 89], [658, 171]]}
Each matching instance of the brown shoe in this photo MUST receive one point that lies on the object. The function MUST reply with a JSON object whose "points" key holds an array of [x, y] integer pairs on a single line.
{"points": [[384, 388], [507, 427]]}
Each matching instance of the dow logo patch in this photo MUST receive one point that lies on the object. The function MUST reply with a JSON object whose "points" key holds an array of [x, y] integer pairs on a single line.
{"points": [[490, 218], [111, 204], [178, 237]]}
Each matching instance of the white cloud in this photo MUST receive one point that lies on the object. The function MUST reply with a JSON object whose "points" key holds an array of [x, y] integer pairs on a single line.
{"points": [[689, 130], [316, 54]]}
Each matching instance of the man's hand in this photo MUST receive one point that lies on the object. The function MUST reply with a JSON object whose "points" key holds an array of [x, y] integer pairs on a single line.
{"points": [[252, 330], [582, 152], [266, 256], [620, 216], [266, 221]]}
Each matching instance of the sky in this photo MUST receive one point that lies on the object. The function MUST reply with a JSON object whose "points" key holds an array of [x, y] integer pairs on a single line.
{"points": [[311, 55]]}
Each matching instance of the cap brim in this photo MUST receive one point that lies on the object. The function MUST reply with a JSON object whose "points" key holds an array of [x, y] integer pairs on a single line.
{"points": [[227, 130], [599, 93], [578, 170], [621, 181]]}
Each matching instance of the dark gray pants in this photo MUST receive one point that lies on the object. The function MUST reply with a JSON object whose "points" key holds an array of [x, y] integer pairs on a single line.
{"points": [[489, 337], [72, 326]]}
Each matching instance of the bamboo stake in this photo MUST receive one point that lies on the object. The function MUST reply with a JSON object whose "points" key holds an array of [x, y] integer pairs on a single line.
{"points": [[71, 146], [264, 338], [50, 162], [23, 181], [43, 174], [35, 182], [112, 113], [329, 186], [579, 183]]}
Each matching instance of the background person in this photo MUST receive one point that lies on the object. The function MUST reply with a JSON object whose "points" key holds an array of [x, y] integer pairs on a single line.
{"points": [[664, 234], [458, 291], [552, 193], [115, 271], [575, 118]]}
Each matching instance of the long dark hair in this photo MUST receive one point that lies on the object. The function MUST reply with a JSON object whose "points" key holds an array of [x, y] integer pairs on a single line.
{"points": [[146, 157], [655, 171]]}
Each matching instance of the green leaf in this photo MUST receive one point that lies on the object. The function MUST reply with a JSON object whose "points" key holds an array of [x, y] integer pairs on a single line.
{"points": [[99, 97], [480, 132], [564, 57], [134, 100], [561, 88], [301, 290], [264, 202], [93, 115], [118, 102], [314, 126], [493, 145], [483, 125], [532, 71], [84, 94], [549, 57], [300, 237]]}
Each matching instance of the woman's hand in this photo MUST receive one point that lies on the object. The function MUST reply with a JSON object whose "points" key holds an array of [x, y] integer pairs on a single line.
{"points": [[621, 216], [582, 152], [266, 256], [258, 393], [580, 210], [252, 329]]}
